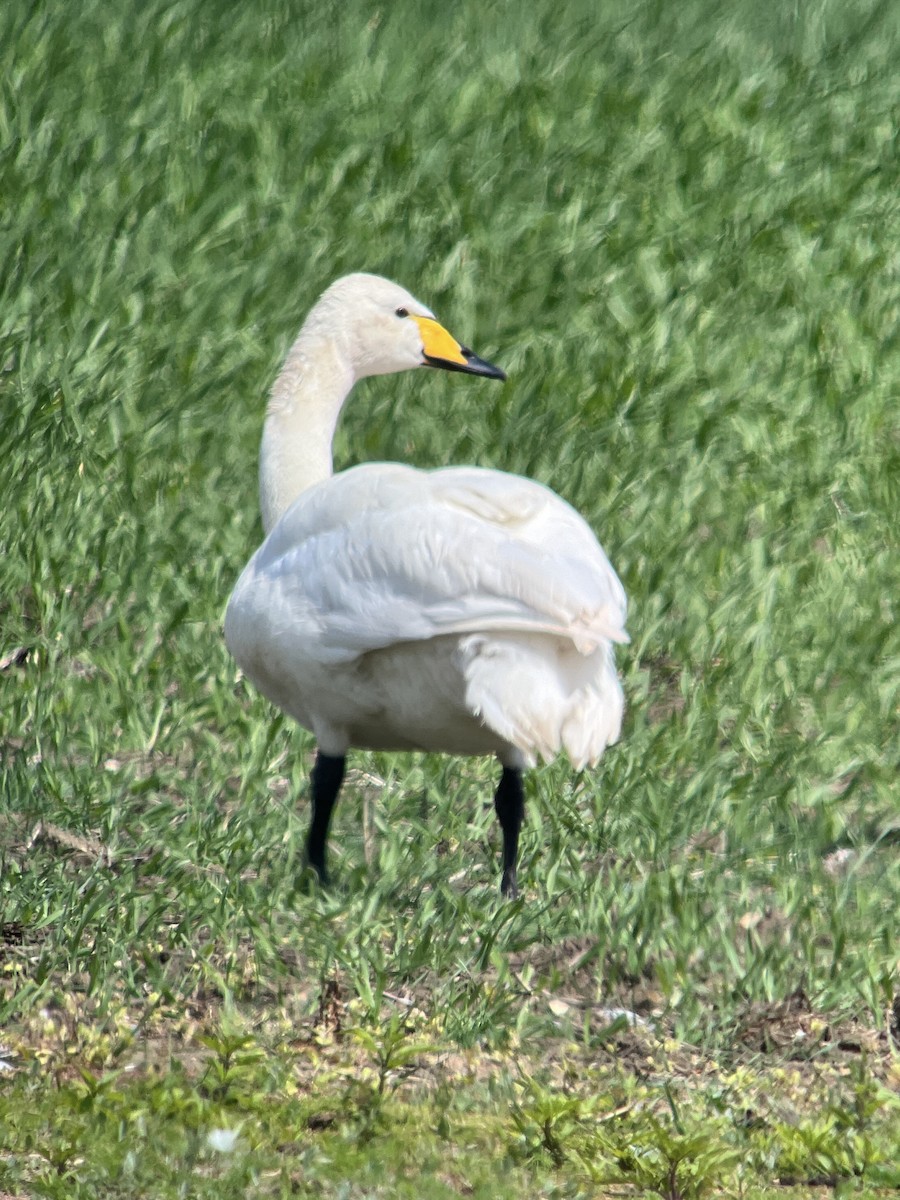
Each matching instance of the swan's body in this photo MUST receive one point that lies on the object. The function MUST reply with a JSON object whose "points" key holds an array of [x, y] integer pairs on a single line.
{"points": [[459, 610]]}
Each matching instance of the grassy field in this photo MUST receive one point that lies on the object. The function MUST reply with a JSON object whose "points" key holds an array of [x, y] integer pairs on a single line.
{"points": [[677, 228]]}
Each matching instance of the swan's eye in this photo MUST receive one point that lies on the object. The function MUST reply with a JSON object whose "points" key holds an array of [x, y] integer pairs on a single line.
{"points": [[402, 312]]}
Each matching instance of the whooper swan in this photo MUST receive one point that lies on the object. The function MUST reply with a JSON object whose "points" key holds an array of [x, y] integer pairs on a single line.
{"points": [[460, 610]]}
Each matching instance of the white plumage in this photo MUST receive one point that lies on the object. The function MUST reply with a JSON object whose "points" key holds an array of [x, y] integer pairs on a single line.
{"points": [[460, 610]]}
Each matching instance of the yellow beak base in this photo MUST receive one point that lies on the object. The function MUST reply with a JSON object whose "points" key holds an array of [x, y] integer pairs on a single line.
{"points": [[442, 350], [438, 342]]}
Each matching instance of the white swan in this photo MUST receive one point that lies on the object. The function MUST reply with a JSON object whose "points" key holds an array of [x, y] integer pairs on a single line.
{"points": [[460, 610]]}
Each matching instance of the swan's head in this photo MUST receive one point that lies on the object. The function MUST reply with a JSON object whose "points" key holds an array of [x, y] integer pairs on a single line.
{"points": [[385, 329]]}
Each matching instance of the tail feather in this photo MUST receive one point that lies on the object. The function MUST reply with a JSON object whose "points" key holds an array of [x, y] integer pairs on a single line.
{"points": [[543, 695]]}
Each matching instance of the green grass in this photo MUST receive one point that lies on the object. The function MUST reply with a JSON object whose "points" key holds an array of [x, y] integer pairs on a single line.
{"points": [[676, 227]]}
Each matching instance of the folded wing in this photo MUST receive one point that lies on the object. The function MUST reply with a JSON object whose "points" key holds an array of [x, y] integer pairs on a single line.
{"points": [[385, 554]]}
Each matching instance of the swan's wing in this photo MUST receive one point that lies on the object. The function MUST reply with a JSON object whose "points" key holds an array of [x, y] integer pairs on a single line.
{"points": [[384, 554]]}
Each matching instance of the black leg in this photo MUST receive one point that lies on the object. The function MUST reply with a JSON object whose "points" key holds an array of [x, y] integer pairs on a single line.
{"points": [[327, 776], [509, 804]]}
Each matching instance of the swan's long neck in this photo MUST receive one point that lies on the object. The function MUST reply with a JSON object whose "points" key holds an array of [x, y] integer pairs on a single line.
{"points": [[303, 409]]}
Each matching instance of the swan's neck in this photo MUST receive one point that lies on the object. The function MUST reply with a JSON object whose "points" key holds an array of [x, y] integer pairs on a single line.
{"points": [[303, 410]]}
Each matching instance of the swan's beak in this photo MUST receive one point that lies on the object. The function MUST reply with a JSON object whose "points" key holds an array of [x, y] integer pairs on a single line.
{"points": [[442, 350]]}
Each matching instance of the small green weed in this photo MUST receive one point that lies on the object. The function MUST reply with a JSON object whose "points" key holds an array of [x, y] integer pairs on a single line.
{"points": [[551, 1122], [668, 1162], [392, 1057]]}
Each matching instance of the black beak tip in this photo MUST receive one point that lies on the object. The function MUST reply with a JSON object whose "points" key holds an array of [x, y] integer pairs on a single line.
{"points": [[473, 365], [479, 366]]}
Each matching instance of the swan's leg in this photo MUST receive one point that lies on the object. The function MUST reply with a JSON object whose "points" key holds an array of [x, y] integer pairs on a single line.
{"points": [[327, 776], [509, 804]]}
